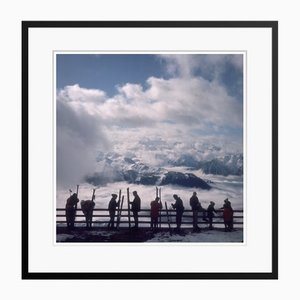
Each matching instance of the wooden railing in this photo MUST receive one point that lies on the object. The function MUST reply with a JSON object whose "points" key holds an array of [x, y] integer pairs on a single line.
{"points": [[101, 218]]}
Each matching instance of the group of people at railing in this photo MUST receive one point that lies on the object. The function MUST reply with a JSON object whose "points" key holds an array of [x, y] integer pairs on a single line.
{"points": [[87, 207], [207, 214]]}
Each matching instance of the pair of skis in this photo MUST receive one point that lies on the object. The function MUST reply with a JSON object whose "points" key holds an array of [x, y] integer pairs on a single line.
{"points": [[120, 209], [168, 218], [158, 194], [128, 208]]}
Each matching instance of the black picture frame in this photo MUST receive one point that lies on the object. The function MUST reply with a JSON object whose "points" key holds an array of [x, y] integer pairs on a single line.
{"points": [[26, 25]]}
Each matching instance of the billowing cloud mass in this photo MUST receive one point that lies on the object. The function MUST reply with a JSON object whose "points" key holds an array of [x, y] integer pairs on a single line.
{"points": [[79, 134], [194, 103]]}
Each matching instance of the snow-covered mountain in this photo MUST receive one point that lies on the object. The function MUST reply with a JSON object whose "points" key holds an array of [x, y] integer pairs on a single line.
{"points": [[231, 164], [227, 165], [113, 167]]}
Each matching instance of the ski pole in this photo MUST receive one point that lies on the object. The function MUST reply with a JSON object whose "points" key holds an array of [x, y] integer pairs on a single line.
{"points": [[75, 205], [128, 204]]}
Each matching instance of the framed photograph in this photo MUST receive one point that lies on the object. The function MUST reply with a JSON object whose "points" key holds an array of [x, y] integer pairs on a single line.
{"points": [[149, 150]]}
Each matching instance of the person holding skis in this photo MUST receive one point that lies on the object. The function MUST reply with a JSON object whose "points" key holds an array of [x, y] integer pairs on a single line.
{"points": [[178, 205], [71, 206], [135, 208], [211, 213], [196, 207], [112, 206], [156, 206]]}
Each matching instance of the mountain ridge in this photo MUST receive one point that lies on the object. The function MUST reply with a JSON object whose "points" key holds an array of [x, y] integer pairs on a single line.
{"points": [[112, 167]]}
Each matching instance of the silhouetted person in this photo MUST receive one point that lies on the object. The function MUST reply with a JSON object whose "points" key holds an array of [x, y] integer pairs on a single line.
{"points": [[154, 212], [112, 206], [71, 210], [135, 208], [196, 207], [211, 213], [178, 205], [227, 215], [87, 207]]}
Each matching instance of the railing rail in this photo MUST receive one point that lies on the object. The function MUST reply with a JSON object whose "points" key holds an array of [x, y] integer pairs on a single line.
{"points": [[101, 217]]}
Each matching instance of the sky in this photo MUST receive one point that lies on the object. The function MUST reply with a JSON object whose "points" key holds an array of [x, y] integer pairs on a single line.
{"points": [[145, 105]]}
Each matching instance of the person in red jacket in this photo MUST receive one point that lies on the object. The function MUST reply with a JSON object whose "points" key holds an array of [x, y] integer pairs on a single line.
{"points": [[155, 207], [227, 215]]}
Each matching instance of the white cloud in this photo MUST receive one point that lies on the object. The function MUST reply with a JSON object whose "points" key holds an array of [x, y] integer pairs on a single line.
{"points": [[79, 136], [131, 91], [194, 100], [77, 93], [183, 100], [180, 65], [180, 101]]}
